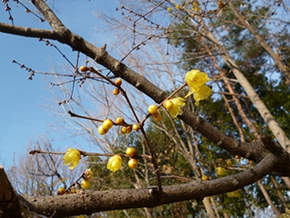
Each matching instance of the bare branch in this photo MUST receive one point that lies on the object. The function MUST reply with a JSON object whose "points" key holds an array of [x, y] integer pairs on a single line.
{"points": [[73, 204]]}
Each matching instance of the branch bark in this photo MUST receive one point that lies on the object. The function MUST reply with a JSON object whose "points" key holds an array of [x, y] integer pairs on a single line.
{"points": [[91, 202]]}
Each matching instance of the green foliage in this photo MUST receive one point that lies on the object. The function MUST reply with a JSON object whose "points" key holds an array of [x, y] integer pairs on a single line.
{"points": [[253, 61]]}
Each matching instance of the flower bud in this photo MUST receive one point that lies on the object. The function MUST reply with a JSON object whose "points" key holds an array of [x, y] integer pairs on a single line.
{"points": [[107, 124], [129, 129], [124, 130], [157, 117], [152, 109], [132, 163], [118, 82], [168, 104], [84, 69], [102, 130], [61, 191], [204, 178], [116, 91], [130, 151], [119, 120], [86, 184], [88, 173], [135, 127]]}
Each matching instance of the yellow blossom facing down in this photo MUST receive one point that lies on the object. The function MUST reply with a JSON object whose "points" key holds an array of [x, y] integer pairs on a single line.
{"points": [[195, 79], [114, 163], [176, 108], [234, 194], [203, 93], [72, 157], [195, 6], [220, 171]]}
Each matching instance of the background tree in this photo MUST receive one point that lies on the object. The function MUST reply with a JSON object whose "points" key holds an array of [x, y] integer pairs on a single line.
{"points": [[230, 41]]}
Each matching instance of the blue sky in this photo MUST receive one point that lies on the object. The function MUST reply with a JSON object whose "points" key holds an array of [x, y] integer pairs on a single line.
{"points": [[22, 114]]}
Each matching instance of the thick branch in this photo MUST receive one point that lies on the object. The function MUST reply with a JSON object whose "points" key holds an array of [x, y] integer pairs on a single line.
{"points": [[52, 19], [27, 31], [9, 204], [91, 202]]}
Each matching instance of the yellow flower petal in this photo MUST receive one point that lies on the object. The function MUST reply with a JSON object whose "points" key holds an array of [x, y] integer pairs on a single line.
{"points": [[195, 79], [176, 108], [203, 93], [195, 6], [72, 157], [114, 163], [234, 194]]}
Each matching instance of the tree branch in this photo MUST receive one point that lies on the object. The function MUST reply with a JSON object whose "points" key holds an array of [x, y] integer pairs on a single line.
{"points": [[52, 19], [27, 31], [263, 43], [91, 202]]}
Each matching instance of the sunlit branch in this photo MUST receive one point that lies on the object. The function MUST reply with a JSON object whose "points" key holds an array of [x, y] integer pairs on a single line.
{"points": [[234, 94], [89, 154]]}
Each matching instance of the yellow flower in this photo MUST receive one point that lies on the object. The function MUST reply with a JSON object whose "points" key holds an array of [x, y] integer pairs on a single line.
{"points": [[220, 171], [234, 194], [195, 79], [195, 6], [72, 157], [203, 93], [175, 109], [114, 163]]}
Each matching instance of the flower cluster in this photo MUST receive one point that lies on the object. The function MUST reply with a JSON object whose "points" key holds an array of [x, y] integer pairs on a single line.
{"points": [[131, 152], [196, 82], [88, 174], [85, 184], [153, 110], [194, 79], [115, 162], [104, 128]]}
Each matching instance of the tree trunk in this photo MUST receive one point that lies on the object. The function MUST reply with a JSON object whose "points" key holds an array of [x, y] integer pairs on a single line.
{"points": [[268, 199], [279, 193], [208, 208]]}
